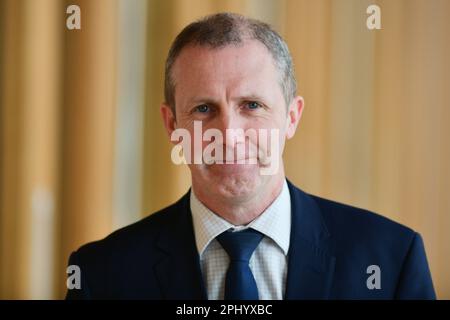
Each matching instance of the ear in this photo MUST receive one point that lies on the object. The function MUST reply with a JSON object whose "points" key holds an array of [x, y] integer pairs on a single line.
{"points": [[168, 118], [294, 115]]}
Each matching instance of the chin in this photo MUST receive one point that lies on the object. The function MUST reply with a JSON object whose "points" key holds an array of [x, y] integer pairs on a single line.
{"points": [[233, 181], [238, 187]]}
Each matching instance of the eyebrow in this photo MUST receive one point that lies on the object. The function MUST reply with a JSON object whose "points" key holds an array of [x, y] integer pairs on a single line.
{"points": [[212, 101], [201, 100]]}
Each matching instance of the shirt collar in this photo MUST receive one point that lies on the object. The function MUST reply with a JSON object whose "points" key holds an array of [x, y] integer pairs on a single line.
{"points": [[274, 222]]}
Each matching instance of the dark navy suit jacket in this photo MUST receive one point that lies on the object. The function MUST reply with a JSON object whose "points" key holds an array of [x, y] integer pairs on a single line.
{"points": [[331, 247]]}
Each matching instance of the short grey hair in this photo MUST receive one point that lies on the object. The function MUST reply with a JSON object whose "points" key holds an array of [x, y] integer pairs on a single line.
{"points": [[223, 29]]}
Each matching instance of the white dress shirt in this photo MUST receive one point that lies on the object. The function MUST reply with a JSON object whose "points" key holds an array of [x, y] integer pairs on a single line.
{"points": [[269, 260]]}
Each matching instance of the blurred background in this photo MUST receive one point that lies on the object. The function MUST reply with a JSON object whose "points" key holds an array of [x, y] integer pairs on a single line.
{"points": [[83, 150]]}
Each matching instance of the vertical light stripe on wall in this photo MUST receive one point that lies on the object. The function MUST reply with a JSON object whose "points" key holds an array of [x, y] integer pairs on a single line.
{"points": [[30, 139], [10, 235], [43, 47], [350, 132], [88, 127], [307, 33], [131, 88]]}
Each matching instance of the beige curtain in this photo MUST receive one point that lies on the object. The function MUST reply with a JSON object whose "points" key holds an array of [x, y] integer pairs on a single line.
{"points": [[374, 134]]}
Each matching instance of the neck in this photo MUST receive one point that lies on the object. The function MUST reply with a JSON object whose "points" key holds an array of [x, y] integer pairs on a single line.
{"points": [[245, 210]]}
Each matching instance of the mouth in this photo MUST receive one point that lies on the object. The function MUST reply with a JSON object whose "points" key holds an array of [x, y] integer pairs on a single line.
{"points": [[239, 161], [232, 168]]}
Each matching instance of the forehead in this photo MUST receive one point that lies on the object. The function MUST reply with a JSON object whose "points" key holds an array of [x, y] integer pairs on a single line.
{"points": [[234, 69]]}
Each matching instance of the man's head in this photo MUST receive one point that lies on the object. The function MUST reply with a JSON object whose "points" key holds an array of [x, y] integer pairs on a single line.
{"points": [[225, 29], [231, 72]]}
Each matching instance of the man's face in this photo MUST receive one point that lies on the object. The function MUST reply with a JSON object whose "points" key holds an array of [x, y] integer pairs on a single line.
{"points": [[235, 87]]}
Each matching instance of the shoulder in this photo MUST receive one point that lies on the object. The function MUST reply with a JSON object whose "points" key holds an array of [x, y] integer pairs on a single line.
{"points": [[353, 224], [125, 257], [132, 239]]}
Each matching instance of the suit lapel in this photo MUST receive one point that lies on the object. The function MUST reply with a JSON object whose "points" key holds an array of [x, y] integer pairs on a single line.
{"points": [[179, 271], [310, 261]]}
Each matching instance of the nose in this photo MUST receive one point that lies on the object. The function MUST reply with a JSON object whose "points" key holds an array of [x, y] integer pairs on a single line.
{"points": [[225, 120], [230, 124]]}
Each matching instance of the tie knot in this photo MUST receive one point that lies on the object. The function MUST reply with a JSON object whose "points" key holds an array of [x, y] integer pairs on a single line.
{"points": [[240, 245]]}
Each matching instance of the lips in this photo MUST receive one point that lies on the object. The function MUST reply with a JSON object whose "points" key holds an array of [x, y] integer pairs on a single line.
{"points": [[251, 161], [243, 161]]}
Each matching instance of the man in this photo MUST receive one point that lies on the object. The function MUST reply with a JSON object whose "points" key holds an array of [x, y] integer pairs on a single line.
{"points": [[238, 233]]}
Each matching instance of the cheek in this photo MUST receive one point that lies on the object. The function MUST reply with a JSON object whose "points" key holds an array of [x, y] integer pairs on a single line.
{"points": [[278, 122], [275, 132]]}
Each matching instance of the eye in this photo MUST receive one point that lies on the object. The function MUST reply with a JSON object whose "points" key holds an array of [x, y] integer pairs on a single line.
{"points": [[253, 105], [202, 108]]}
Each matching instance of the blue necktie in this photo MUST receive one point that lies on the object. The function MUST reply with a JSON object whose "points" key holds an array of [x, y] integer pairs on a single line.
{"points": [[240, 283]]}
